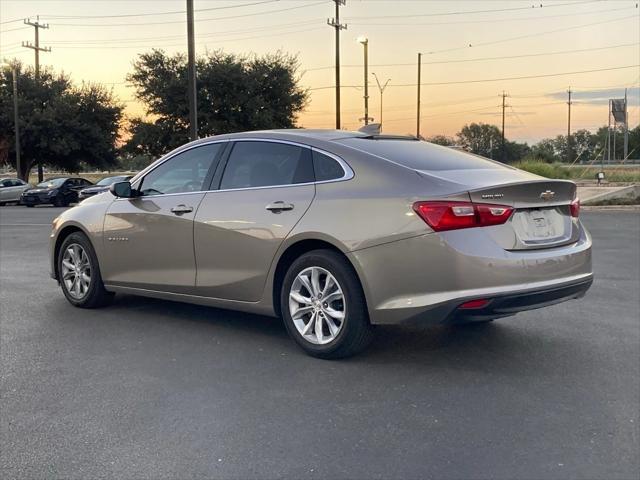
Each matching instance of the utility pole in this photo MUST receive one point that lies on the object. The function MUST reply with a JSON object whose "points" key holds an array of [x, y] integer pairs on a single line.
{"points": [[37, 49], [193, 105], [381, 88], [15, 121], [609, 136], [569, 152], [504, 105], [626, 127], [418, 103], [335, 23]]}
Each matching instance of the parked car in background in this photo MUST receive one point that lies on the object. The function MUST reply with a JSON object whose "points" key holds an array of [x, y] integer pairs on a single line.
{"points": [[11, 189], [59, 192], [335, 231], [101, 186]]}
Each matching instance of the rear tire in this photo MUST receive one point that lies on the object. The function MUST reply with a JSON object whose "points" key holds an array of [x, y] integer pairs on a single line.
{"points": [[79, 273], [29, 205], [322, 292]]}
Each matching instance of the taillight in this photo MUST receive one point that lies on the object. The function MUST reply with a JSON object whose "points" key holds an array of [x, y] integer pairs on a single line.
{"points": [[455, 215], [575, 208]]}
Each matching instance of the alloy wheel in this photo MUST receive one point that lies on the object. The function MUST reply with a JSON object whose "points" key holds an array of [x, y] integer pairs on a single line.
{"points": [[76, 271], [317, 305]]}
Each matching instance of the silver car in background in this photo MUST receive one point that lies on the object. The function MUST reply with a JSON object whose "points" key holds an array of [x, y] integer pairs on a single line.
{"points": [[333, 231], [11, 189]]}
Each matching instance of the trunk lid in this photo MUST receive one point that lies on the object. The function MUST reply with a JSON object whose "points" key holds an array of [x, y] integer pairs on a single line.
{"points": [[542, 216]]}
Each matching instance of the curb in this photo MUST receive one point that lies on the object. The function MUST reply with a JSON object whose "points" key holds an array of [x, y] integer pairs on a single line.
{"points": [[604, 208]]}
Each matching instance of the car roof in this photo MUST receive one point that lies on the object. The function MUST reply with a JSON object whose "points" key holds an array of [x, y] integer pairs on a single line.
{"points": [[288, 134]]}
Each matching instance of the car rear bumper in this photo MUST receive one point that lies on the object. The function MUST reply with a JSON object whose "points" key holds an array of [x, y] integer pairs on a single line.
{"points": [[426, 279]]}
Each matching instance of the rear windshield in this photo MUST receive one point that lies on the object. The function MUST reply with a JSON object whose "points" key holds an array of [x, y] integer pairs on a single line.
{"points": [[421, 155]]}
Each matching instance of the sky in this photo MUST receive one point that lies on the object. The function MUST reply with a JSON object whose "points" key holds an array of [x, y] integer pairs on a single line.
{"points": [[473, 51]]}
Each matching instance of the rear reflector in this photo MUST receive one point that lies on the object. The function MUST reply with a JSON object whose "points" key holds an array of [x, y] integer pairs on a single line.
{"points": [[474, 304], [455, 215], [575, 208]]}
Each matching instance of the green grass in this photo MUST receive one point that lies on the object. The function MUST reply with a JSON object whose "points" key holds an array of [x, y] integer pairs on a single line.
{"points": [[560, 171]]}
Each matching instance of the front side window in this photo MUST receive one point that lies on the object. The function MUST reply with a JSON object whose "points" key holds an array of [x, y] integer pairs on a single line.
{"points": [[262, 164], [183, 173]]}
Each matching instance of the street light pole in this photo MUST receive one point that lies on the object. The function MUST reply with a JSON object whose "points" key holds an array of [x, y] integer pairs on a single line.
{"points": [[14, 74], [365, 43], [381, 88]]}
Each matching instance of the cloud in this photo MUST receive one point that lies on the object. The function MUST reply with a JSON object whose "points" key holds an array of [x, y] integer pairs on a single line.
{"points": [[598, 96]]}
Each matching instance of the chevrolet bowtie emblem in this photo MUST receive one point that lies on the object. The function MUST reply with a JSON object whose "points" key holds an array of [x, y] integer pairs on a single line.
{"points": [[548, 195]]}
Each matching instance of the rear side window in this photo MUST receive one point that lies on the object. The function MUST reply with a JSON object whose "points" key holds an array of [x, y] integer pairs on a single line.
{"points": [[326, 168], [262, 164], [422, 155]]}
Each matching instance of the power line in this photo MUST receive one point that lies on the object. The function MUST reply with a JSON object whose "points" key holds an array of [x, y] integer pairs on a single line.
{"points": [[524, 77], [536, 34], [480, 59], [266, 12], [95, 47], [178, 37], [496, 20], [472, 12], [153, 14]]}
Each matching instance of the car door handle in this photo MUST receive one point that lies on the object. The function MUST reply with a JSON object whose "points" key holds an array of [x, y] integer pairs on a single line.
{"points": [[181, 209], [279, 206]]}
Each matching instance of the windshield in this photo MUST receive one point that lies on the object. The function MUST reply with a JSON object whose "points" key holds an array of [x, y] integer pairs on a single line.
{"points": [[109, 180], [422, 155], [53, 183]]}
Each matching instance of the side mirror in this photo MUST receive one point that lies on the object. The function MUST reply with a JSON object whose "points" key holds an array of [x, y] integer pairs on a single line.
{"points": [[121, 189]]}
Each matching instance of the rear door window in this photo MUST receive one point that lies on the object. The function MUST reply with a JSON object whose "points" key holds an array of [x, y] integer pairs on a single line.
{"points": [[263, 164]]}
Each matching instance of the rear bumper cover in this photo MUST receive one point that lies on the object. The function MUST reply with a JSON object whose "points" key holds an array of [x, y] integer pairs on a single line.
{"points": [[425, 279], [510, 304]]}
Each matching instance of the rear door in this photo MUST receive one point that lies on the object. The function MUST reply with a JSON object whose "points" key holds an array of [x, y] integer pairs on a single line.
{"points": [[148, 240], [264, 190]]}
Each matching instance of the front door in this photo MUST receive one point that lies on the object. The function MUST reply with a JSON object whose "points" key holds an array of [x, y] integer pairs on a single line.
{"points": [[148, 240], [265, 190]]}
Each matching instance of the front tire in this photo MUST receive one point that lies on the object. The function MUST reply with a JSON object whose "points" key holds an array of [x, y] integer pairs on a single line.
{"points": [[323, 306], [79, 273]]}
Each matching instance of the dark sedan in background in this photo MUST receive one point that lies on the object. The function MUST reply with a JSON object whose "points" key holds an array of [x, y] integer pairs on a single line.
{"points": [[102, 186], [59, 192]]}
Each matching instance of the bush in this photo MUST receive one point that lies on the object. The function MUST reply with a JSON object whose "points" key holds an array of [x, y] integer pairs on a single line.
{"points": [[540, 167]]}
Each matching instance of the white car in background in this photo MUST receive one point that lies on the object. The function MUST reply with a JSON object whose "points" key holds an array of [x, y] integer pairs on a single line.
{"points": [[11, 189]]}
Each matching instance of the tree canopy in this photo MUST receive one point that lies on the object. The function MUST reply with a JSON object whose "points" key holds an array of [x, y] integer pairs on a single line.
{"points": [[234, 93], [61, 125]]}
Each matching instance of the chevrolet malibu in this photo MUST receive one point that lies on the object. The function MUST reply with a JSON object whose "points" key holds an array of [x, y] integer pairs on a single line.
{"points": [[334, 231]]}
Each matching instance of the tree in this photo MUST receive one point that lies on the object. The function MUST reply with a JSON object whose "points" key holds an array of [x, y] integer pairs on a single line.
{"points": [[61, 125], [481, 139], [235, 93], [442, 140], [545, 150]]}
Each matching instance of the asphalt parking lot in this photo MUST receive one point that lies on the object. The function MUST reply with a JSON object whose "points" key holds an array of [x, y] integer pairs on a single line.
{"points": [[154, 389]]}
